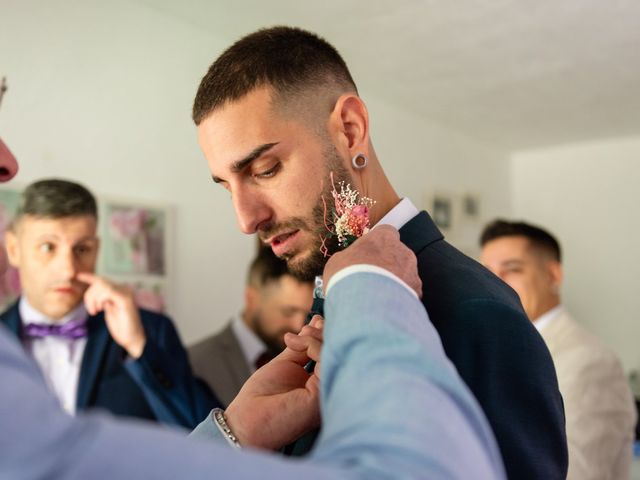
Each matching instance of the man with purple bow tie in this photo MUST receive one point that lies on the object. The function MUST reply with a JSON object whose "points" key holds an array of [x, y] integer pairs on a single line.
{"points": [[94, 346]]}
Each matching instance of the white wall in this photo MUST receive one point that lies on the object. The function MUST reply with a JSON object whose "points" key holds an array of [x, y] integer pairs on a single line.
{"points": [[587, 194], [101, 92]]}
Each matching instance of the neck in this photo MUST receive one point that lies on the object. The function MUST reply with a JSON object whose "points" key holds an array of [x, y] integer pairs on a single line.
{"points": [[375, 185]]}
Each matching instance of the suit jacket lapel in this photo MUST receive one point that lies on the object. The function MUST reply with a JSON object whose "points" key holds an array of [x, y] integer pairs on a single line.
{"points": [[419, 232], [11, 320], [92, 360]]}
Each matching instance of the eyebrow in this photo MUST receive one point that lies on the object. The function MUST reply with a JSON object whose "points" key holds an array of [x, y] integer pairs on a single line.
{"points": [[512, 263], [240, 165]]}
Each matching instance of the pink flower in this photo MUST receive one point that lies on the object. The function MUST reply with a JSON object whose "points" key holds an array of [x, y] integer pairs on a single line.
{"points": [[350, 215]]}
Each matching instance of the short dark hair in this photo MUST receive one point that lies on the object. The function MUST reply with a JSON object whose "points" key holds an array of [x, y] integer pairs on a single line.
{"points": [[266, 268], [538, 237], [288, 59], [56, 198]]}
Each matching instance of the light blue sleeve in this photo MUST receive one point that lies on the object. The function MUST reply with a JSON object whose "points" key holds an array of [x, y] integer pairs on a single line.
{"points": [[393, 408], [393, 405]]}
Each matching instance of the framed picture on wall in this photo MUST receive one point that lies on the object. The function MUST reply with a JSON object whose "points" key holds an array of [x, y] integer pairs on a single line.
{"points": [[134, 249], [134, 240], [458, 216]]}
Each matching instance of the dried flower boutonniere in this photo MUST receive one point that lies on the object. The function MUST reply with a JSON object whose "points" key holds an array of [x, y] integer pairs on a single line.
{"points": [[349, 215]]}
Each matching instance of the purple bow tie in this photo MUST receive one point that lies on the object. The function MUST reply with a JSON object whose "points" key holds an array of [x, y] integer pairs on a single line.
{"points": [[73, 330]]}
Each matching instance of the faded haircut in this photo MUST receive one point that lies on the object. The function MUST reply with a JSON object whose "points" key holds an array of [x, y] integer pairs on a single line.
{"points": [[538, 238], [289, 60]]}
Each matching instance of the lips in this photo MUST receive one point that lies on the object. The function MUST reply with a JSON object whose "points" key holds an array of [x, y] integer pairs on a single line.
{"points": [[64, 290], [283, 243]]}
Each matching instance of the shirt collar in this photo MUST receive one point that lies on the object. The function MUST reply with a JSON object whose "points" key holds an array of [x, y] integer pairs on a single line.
{"points": [[545, 319], [250, 344], [399, 215], [29, 314]]}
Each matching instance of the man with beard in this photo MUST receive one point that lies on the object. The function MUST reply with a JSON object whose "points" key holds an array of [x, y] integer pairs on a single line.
{"points": [[280, 123], [450, 437], [276, 302]]}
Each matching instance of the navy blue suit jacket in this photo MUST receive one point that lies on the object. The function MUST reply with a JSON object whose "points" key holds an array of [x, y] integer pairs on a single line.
{"points": [[157, 386], [497, 351]]}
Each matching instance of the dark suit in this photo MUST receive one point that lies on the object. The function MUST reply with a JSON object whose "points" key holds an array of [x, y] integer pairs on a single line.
{"points": [[219, 361], [157, 386], [497, 351]]}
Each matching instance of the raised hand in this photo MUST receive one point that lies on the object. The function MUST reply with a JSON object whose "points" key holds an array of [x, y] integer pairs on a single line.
{"points": [[120, 312], [380, 247], [281, 401]]}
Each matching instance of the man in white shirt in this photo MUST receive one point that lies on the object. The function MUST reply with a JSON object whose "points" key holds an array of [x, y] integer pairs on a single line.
{"points": [[275, 302], [598, 403], [95, 348]]}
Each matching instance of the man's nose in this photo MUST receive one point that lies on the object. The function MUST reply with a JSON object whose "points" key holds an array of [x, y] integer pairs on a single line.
{"points": [[8, 163], [67, 265], [251, 210]]}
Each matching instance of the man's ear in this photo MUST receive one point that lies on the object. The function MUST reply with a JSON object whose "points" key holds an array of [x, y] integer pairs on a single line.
{"points": [[13, 248], [556, 273], [350, 122], [251, 299]]}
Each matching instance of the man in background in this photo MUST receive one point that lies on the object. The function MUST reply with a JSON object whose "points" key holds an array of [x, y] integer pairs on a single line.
{"points": [[598, 403], [276, 302], [102, 352]]}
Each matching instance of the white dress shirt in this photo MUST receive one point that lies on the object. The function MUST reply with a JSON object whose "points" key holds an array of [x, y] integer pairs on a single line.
{"points": [[546, 318], [59, 358], [250, 344], [399, 215]]}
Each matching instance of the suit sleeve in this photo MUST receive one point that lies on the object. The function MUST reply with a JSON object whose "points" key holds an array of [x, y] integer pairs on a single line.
{"points": [[383, 344], [163, 373], [431, 427], [507, 365]]}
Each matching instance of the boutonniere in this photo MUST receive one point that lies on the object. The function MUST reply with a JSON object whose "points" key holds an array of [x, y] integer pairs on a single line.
{"points": [[348, 218]]}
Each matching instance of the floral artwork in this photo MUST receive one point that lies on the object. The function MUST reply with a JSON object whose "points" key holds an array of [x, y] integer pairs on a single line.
{"points": [[9, 277], [349, 215], [135, 240], [150, 296]]}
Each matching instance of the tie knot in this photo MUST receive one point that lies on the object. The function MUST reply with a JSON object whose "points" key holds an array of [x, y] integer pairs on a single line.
{"points": [[72, 330]]}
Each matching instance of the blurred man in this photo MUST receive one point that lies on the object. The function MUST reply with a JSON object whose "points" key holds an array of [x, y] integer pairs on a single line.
{"points": [[283, 129], [128, 361], [275, 303], [598, 403]]}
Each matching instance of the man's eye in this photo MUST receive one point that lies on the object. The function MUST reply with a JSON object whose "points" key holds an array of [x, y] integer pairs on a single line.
{"points": [[46, 247], [268, 173], [82, 249]]}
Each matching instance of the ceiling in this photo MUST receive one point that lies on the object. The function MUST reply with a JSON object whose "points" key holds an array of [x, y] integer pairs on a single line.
{"points": [[514, 74]]}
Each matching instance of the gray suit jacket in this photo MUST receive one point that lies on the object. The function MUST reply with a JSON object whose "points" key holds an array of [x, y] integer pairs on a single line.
{"points": [[219, 361]]}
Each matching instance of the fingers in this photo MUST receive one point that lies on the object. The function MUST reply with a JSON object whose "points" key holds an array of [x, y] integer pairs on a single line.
{"points": [[86, 277], [310, 345], [102, 292]]}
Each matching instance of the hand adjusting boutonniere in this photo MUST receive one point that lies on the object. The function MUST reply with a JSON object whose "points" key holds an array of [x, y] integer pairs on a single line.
{"points": [[349, 216]]}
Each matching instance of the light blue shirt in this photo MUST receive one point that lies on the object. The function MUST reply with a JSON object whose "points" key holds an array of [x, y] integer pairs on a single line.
{"points": [[412, 417]]}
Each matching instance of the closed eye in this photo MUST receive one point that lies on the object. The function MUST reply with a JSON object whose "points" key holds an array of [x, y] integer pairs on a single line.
{"points": [[271, 172]]}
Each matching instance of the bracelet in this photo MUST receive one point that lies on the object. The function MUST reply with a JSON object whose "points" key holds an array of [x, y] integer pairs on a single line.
{"points": [[221, 422]]}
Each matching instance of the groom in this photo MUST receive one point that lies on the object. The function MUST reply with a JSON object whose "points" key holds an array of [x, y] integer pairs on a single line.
{"points": [[277, 113]]}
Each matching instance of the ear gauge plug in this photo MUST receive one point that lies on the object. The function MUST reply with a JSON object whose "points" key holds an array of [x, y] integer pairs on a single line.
{"points": [[359, 161]]}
